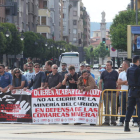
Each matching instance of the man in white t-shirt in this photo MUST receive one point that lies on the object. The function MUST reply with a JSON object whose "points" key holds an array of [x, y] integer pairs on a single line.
{"points": [[122, 81], [30, 74]]}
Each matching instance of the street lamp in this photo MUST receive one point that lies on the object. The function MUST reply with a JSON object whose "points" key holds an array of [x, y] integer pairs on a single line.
{"points": [[7, 33], [46, 44], [22, 36], [57, 47]]}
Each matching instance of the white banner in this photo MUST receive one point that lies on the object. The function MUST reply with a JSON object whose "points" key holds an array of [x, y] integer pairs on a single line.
{"points": [[65, 106]]}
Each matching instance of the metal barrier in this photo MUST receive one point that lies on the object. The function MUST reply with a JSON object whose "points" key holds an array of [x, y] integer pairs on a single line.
{"points": [[109, 103]]}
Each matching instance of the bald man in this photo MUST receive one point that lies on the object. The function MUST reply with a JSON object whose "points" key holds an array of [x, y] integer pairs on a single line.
{"points": [[53, 80]]}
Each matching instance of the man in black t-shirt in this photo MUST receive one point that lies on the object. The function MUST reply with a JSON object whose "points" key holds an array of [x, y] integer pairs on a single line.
{"points": [[71, 78], [54, 80], [63, 72], [48, 66], [109, 78]]}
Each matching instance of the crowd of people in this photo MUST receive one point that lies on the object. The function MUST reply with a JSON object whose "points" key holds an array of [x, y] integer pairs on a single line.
{"points": [[48, 77]]}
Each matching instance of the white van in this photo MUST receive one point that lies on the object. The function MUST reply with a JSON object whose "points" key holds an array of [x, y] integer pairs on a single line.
{"points": [[70, 58]]}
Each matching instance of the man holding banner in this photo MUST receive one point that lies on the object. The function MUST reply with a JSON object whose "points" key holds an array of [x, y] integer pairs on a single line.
{"points": [[86, 82], [5, 79]]}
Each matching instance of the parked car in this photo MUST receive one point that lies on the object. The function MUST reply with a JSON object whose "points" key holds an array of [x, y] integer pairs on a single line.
{"points": [[96, 66], [103, 67]]}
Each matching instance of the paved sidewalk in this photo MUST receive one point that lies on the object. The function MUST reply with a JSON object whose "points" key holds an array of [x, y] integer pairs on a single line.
{"points": [[65, 132]]}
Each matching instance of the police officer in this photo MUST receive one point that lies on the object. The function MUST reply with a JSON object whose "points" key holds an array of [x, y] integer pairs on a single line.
{"points": [[133, 77]]}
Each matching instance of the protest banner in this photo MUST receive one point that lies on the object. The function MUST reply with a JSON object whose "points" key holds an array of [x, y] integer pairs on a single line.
{"points": [[15, 106], [65, 106]]}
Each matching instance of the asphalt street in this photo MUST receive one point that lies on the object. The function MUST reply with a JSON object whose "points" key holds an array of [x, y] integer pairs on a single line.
{"points": [[65, 132]]}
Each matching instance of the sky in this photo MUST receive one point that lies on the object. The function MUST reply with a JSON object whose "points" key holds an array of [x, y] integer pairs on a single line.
{"points": [[110, 7]]}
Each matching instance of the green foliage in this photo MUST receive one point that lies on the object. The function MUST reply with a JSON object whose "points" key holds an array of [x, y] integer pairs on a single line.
{"points": [[13, 43], [88, 53], [2, 43], [118, 30], [100, 51], [30, 49]]}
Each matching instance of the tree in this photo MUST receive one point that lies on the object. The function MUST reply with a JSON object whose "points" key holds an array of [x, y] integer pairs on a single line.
{"points": [[2, 43], [100, 51], [13, 42], [118, 29], [30, 48]]}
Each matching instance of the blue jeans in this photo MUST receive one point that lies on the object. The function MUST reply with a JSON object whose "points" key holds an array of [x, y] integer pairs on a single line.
{"points": [[123, 107]]}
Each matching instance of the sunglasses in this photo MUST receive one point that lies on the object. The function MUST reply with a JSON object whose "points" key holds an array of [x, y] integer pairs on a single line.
{"points": [[29, 66], [55, 68], [17, 72], [37, 67]]}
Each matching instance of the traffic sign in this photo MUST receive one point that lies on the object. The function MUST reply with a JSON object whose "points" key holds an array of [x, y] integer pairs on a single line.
{"points": [[113, 52], [122, 54]]}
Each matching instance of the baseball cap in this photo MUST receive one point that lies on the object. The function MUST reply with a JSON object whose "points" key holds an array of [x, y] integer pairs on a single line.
{"points": [[101, 70]]}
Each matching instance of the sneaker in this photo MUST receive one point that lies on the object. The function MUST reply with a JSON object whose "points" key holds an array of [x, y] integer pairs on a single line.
{"points": [[120, 124], [135, 124], [113, 124], [105, 124]]}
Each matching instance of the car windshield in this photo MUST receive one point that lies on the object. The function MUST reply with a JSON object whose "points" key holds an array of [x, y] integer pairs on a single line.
{"points": [[96, 65]]}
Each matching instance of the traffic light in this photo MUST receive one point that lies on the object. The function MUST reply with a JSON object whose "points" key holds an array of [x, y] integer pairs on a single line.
{"points": [[106, 47], [103, 40]]}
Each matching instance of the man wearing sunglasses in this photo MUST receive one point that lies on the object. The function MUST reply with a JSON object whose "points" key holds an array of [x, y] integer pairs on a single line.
{"points": [[5, 79], [30, 74], [54, 80], [39, 78]]}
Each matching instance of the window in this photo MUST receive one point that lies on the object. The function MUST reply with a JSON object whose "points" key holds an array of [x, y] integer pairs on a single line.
{"points": [[74, 22], [39, 20], [64, 16], [74, 40], [64, 4], [75, 13], [44, 34], [74, 4], [74, 31], [44, 4], [43, 20], [79, 35], [97, 34]]}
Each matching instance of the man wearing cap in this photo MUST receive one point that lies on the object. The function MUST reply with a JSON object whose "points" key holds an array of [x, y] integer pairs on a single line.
{"points": [[62, 73], [82, 67], [133, 78]]}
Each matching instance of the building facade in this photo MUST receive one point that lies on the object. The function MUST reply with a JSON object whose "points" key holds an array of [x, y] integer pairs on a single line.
{"points": [[26, 17], [55, 19], [44, 19], [2, 11], [96, 39], [86, 24], [74, 16]]}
